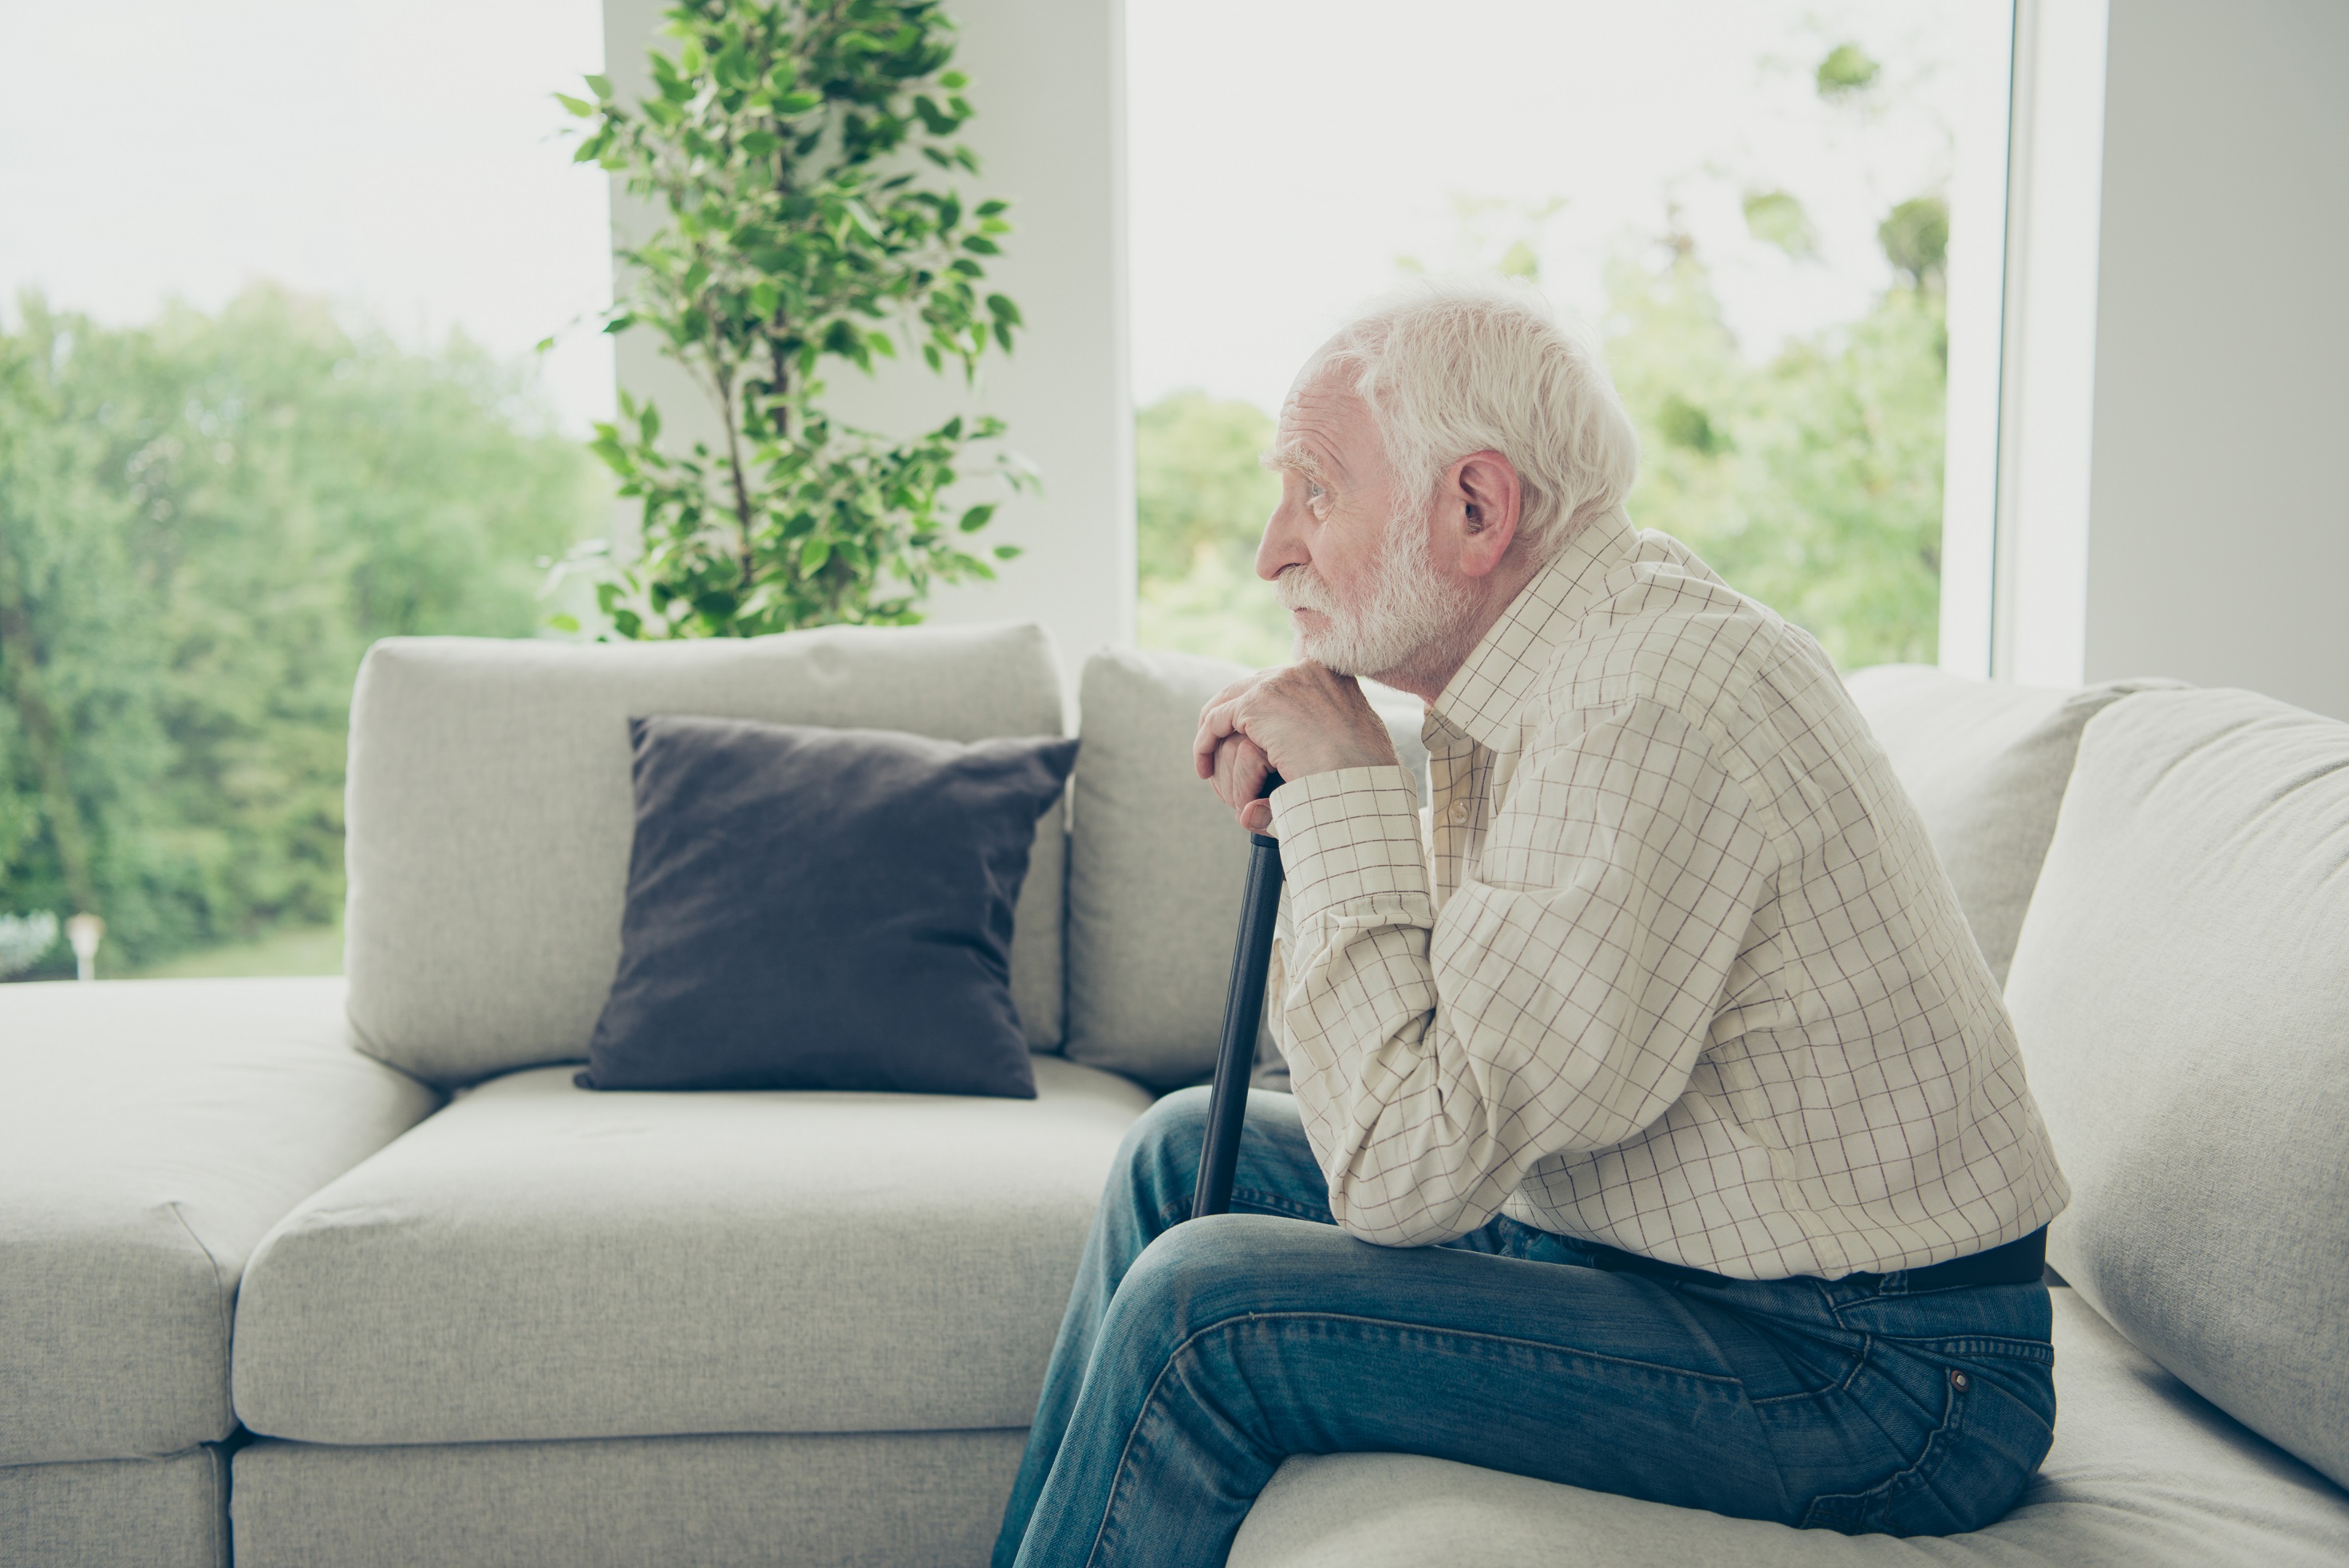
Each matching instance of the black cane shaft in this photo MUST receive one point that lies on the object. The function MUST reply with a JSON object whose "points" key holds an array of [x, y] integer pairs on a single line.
{"points": [[1243, 1005]]}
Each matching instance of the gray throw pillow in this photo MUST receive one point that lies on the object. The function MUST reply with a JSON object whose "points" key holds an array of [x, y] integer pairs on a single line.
{"points": [[817, 909]]}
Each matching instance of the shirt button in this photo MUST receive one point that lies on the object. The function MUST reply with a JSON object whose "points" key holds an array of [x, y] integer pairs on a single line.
{"points": [[1458, 813]]}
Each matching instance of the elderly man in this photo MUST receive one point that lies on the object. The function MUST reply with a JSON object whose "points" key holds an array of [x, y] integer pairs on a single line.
{"points": [[1657, 1126]]}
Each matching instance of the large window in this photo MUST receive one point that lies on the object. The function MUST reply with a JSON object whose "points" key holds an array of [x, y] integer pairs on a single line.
{"points": [[271, 275], [1749, 199]]}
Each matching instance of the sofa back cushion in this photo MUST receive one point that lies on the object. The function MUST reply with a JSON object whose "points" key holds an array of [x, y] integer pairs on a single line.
{"points": [[1985, 763], [1156, 866], [490, 813], [2181, 992]]}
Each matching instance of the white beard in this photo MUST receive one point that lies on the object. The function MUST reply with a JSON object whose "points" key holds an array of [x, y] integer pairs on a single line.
{"points": [[1412, 620]]}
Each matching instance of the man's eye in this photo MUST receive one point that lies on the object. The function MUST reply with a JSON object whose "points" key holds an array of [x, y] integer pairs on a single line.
{"points": [[1316, 498]]}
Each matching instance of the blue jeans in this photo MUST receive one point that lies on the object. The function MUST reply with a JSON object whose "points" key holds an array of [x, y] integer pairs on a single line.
{"points": [[1197, 1356]]}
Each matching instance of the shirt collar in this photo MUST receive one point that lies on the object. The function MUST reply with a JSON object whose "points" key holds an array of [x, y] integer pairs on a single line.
{"points": [[1483, 698]]}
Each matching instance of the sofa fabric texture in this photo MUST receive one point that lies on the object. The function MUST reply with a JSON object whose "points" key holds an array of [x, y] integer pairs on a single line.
{"points": [[862, 1501], [539, 1260], [150, 1133], [2181, 990], [814, 908], [169, 1512], [491, 814], [1985, 763], [1156, 866], [2144, 1474]]}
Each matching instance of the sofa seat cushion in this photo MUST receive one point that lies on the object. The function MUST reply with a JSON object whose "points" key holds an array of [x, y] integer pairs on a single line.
{"points": [[150, 1133], [542, 1260], [2144, 1474]]}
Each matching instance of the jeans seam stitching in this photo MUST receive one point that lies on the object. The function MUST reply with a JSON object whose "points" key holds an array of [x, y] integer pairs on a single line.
{"points": [[1934, 1450]]}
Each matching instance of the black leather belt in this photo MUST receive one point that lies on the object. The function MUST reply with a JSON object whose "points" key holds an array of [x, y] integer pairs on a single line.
{"points": [[2016, 1263]]}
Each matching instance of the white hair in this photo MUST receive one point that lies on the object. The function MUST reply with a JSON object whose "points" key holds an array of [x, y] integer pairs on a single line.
{"points": [[1451, 367]]}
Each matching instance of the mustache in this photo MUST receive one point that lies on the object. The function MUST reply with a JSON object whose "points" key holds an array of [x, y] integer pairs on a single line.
{"points": [[1300, 588]]}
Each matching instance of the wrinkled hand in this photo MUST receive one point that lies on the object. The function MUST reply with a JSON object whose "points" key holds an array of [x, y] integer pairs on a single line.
{"points": [[1298, 721]]}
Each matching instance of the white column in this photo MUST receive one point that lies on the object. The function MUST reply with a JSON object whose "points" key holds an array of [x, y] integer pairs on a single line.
{"points": [[1047, 78]]}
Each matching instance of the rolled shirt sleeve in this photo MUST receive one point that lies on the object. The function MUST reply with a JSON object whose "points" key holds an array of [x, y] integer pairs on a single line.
{"points": [[1559, 1003]]}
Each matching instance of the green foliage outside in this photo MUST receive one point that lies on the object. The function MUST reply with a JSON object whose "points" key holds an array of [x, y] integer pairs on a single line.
{"points": [[203, 523], [1202, 500], [779, 150], [1812, 481]]}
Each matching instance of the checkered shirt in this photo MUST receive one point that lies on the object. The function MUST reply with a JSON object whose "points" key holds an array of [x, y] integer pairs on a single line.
{"points": [[1685, 977]]}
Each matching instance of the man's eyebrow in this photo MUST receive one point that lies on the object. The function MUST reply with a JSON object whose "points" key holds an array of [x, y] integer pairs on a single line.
{"points": [[1295, 457]]}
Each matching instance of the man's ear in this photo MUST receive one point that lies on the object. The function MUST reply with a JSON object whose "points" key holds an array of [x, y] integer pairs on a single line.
{"points": [[1483, 504]]}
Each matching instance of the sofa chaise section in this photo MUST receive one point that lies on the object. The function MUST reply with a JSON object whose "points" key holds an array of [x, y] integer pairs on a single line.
{"points": [[150, 1133]]}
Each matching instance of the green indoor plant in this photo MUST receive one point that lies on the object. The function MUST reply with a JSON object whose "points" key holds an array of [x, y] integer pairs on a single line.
{"points": [[800, 156]]}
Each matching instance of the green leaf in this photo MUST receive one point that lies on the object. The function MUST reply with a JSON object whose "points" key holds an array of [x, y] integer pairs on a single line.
{"points": [[563, 622], [578, 106], [979, 244], [799, 102], [813, 554], [1003, 309], [976, 518], [990, 209], [600, 86], [1007, 552], [953, 81]]}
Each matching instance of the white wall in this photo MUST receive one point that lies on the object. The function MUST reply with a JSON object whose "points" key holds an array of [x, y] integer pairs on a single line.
{"points": [[2219, 531], [2177, 328], [1047, 78]]}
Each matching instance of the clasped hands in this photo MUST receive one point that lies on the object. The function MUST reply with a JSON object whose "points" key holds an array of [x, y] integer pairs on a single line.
{"points": [[1298, 720]]}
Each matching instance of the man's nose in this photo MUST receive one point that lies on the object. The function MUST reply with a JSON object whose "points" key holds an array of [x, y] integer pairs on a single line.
{"points": [[1283, 544]]}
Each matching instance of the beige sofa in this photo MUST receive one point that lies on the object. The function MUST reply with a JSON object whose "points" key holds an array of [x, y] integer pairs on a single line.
{"points": [[426, 1301]]}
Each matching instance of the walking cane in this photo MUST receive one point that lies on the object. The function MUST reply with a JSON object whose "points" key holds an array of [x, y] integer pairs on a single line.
{"points": [[1243, 1005]]}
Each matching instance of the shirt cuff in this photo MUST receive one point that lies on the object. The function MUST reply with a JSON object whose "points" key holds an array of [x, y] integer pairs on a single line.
{"points": [[1351, 833]]}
